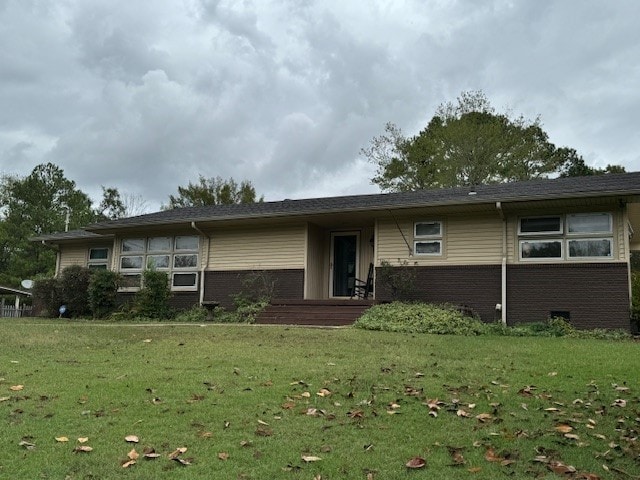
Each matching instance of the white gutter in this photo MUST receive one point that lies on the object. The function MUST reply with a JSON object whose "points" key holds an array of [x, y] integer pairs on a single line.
{"points": [[205, 263], [503, 304]]}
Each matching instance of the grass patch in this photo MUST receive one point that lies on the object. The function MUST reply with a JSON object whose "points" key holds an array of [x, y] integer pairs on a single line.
{"points": [[250, 402]]}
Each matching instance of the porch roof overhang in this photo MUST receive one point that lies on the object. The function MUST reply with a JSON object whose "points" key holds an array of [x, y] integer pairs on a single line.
{"points": [[14, 291]]}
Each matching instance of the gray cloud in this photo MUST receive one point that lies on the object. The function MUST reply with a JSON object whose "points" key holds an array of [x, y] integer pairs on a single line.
{"points": [[145, 96]]}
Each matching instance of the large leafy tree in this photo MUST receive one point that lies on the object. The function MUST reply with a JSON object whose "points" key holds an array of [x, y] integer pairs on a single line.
{"points": [[43, 202], [213, 191], [575, 166], [465, 143]]}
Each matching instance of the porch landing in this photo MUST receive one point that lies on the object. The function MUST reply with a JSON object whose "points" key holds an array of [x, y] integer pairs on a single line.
{"points": [[329, 313]]}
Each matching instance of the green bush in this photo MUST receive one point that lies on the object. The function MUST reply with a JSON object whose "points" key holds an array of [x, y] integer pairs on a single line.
{"points": [[635, 299], [419, 318], [103, 292], [47, 296], [74, 285], [196, 314], [152, 300]]}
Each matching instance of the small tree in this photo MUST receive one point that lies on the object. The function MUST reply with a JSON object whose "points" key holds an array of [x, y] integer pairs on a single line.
{"points": [[399, 280], [103, 291], [152, 300], [74, 286], [47, 297]]}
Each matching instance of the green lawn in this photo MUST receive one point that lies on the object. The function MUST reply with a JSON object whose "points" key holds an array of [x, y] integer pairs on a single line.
{"points": [[249, 402]]}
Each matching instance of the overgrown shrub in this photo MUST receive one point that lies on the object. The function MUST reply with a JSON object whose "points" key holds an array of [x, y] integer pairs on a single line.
{"points": [[400, 280], [74, 285], [196, 314], [103, 292], [152, 300], [47, 296], [419, 318], [635, 299]]}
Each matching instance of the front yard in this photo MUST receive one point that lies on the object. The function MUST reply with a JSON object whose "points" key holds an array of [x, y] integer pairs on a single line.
{"points": [[252, 402]]}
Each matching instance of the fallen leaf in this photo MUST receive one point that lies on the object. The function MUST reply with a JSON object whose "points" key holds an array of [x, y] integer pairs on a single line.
{"points": [[561, 468], [491, 456], [146, 340], [223, 456], [83, 449], [263, 431], [177, 452], [27, 445], [83, 439], [133, 455], [416, 462], [4, 399], [484, 417], [128, 463], [474, 469], [310, 458], [324, 393], [62, 439], [263, 423], [131, 439], [619, 403], [16, 388], [563, 428]]}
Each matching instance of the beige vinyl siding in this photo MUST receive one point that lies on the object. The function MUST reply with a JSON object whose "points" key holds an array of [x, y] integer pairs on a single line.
{"points": [[258, 248], [465, 240], [314, 272], [73, 255]]}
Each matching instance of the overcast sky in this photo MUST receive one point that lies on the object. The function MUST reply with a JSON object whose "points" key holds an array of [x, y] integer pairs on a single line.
{"points": [[147, 95]]}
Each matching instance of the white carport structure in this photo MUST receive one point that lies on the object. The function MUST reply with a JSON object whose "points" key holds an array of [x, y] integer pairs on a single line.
{"points": [[15, 310]]}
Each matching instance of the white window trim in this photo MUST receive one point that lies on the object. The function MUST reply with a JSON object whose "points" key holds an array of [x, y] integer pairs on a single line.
{"points": [[184, 288], [566, 237], [599, 233], [427, 240], [546, 234], [435, 238], [98, 261], [146, 254], [542, 259], [587, 239]]}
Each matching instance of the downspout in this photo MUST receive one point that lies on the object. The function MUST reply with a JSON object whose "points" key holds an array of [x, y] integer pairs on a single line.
{"points": [[205, 263], [503, 300]]}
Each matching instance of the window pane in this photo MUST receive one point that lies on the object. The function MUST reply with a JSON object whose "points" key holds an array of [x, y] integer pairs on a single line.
{"points": [[131, 262], [130, 281], [158, 261], [133, 245], [424, 229], [590, 223], [97, 266], [540, 225], [185, 261], [600, 247], [427, 248], [98, 253], [159, 244], [184, 279], [187, 243], [542, 249]]}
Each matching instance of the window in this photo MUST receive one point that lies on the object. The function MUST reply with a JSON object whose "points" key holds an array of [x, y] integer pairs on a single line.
{"points": [[98, 258], [590, 248], [178, 256], [589, 223], [427, 238], [530, 249], [580, 236], [540, 225]]}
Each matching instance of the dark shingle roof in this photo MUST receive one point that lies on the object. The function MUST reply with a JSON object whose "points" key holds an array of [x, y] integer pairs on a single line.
{"points": [[70, 235], [574, 187]]}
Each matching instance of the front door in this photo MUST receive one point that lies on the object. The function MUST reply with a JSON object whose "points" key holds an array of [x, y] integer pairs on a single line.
{"points": [[344, 263]]}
